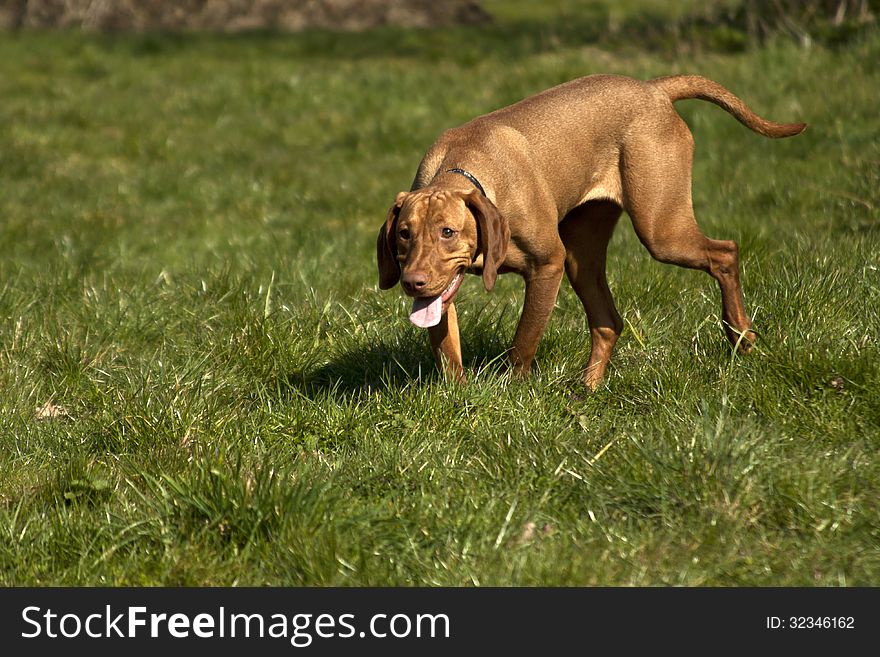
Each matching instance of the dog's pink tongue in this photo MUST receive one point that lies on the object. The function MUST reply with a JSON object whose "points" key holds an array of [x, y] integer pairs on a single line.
{"points": [[426, 311]]}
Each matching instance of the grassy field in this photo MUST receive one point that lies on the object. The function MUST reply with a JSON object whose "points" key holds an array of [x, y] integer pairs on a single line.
{"points": [[200, 382]]}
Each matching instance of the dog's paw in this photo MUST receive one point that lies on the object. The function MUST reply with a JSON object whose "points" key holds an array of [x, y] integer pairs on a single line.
{"points": [[742, 341]]}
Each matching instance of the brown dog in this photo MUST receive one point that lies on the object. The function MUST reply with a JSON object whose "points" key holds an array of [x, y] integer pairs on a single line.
{"points": [[536, 188]]}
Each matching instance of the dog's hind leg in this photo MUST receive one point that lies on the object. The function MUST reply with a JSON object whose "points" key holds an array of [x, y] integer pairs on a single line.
{"points": [[586, 231], [657, 196]]}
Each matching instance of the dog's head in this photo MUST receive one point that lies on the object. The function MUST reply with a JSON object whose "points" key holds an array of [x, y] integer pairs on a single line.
{"points": [[431, 237]]}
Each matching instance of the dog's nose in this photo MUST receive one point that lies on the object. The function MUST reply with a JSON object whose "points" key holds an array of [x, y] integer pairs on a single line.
{"points": [[414, 281]]}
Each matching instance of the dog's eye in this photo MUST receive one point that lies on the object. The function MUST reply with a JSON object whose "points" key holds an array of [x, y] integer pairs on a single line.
{"points": [[447, 233], [404, 234]]}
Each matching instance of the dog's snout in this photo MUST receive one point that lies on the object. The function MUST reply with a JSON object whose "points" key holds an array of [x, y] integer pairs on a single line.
{"points": [[414, 281]]}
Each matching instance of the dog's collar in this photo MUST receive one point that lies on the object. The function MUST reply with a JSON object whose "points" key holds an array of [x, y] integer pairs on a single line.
{"points": [[469, 176]]}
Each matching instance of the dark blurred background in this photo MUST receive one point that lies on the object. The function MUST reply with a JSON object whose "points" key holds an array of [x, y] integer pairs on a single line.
{"points": [[236, 15], [719, 24]]}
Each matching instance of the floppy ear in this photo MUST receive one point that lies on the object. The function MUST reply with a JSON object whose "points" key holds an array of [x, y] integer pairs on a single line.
{"points": [[493, 232], [386, 247]]}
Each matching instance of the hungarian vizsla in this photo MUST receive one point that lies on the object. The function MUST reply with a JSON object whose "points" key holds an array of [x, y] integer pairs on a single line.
{"points": [[536, 188]]}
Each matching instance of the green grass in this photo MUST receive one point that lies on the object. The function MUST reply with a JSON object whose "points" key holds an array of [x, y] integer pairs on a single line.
{"points": [[187, 231]]}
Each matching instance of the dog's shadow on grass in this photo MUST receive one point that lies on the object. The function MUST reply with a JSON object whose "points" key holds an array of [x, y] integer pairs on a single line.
{"points": [[365, 369], [385, 366]]}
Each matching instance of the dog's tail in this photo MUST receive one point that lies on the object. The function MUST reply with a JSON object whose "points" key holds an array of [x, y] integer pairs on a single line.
{"points": [[681, 87]]}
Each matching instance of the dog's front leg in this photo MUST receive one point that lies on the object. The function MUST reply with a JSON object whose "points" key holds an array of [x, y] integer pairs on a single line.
{"points": [[446, 345], [542, 286]]}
